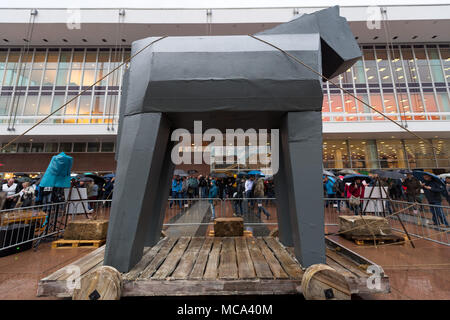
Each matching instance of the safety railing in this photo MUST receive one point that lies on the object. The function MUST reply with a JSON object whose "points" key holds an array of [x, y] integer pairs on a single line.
{"points": [[19, 227], [419, 220], [194, 217]]}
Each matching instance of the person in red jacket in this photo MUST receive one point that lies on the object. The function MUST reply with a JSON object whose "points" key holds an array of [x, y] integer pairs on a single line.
{"points": [[355, 193]]}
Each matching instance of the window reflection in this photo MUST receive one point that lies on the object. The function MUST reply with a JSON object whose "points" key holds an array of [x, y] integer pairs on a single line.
{"points": [[422, 64], [442, 152], [363, 154], [419, 154], [391, 154], [335, 154], [383, 66], [371, 67]]}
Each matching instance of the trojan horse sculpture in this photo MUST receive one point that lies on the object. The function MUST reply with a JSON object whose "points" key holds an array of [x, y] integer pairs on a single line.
{"points": [[224, 81]]}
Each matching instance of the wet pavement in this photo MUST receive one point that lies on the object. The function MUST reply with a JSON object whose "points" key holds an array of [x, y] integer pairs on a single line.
{"points": [[415, 273]]}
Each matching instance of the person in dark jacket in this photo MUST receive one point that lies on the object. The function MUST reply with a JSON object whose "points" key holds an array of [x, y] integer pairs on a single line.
{"points": [[213, 192], [412, 188], [433, 190]]}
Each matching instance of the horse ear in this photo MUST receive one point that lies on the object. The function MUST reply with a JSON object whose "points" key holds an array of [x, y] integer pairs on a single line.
{"points": [[339, 48]]}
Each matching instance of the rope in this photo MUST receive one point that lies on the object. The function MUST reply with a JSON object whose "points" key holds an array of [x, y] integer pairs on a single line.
{"points": [[341, 88], [79, 94]]}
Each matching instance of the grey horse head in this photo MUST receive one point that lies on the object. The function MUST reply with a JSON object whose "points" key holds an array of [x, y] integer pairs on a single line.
{"points": [[338, 45]]}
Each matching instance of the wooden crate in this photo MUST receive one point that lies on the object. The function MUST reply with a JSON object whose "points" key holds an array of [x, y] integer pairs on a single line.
{"points": [[64, 244]]}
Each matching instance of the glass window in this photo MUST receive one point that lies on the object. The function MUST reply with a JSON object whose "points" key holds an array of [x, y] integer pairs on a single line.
{"points": [[93, 147], [49, 77], [9, 149], [363, 108], [325, 107], [371, 67], [408, 61], [397, 68], [71, 108], [99, 102], [404, 105], [364, 154], [30, 106], [358, 72], [23, 147], [37, 147], [375, 102], [417, 105], [52, 60], [444, 103], [39, 59], [91, 59], [51, 147], [350, 107], [107, 146], [383, 66], [3, 55], [58, 101], [335, 154], [63, 68], [430, 104], [442, 151], [103, 64], [75, 77], [85, 105], [44, 105], [79, 147], [65, 147], [390, 105], [445, 55], [435, 65], [347, 76], [336, 105], [422, 64], [88, 77], [35, 78], [391, 154], [4, 104], [419, 154]]}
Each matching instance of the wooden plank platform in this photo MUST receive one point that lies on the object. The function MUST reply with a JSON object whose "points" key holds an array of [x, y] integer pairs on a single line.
{"points": [[63, 244], [210, 266]]}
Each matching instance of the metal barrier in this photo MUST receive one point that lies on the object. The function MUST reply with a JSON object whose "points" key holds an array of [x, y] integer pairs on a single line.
{"points": [[419, 219], [19, 227], [194, 217]]}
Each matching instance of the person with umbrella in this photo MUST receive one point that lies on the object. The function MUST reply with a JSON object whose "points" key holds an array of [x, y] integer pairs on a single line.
{"points": [[249, 188], [355, 193], [203, 186], [433, 190]]}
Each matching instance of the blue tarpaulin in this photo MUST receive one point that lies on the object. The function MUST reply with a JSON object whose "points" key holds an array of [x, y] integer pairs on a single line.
{"points": [[58, 172]]}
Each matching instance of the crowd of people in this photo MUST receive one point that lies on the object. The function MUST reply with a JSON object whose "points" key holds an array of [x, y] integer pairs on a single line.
{"points": [[247, 193], [28, 193], [409, 189]]}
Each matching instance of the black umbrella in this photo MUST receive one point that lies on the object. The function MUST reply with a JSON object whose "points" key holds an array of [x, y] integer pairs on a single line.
{"points": [[97, 179], [181, 173], [24, 179], [353, 177], [389, 174], [218, 175]]}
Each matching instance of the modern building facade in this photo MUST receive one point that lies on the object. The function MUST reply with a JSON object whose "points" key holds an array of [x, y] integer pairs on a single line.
{"points": [[50, 54]]}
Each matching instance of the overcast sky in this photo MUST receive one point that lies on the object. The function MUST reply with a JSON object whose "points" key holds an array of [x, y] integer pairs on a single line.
{"points": [[203, 3]]}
